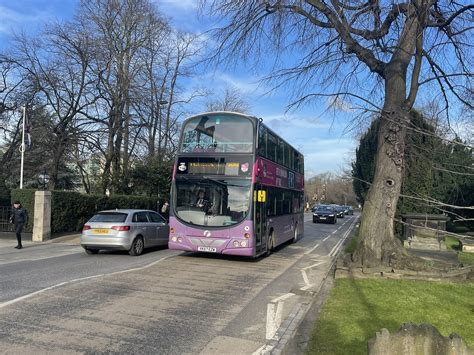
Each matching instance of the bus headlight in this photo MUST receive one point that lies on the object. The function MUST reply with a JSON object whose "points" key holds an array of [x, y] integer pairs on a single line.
{"points": [[180, 240], [243, 243], [174, 239], [236, 243]]}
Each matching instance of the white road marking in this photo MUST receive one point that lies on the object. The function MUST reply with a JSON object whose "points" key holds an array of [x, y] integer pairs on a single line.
{"points": [[305, 275], [265, 349], [18, 299], [336, 248], [312, 249], [282, 298], [273, 319], [314, 265]]}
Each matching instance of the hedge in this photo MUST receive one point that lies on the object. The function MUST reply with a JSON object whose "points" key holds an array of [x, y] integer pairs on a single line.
{"points": [[27, 199], [4, 196], [70, 209]]}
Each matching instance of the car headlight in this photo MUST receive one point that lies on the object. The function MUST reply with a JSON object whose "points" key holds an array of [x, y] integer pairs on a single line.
{"points": [[315, 215], [331, 215]]}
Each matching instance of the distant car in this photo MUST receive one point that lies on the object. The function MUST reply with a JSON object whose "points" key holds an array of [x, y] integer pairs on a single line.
{"points": [[131, 230], [340, 210], [349, 210], [324, 213]]}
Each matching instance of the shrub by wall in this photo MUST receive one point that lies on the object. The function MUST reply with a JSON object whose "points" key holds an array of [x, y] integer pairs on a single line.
{"points": [[4, 196], [70, 209], [27, 199]]}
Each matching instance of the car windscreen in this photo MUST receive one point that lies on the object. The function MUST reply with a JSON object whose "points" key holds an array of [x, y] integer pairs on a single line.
{"points": [[219, 133], [212, 202], [324, 209], [109, 217]]}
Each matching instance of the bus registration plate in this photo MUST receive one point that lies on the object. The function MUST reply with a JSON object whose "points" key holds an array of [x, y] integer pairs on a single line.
{"points": [[208, 249]]}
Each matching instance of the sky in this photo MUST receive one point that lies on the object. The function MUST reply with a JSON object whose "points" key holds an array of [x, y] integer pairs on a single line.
{"points": [[320, 134]]}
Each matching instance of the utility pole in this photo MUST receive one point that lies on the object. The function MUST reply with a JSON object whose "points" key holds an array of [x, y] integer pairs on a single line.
{"points": [[22, 148]]}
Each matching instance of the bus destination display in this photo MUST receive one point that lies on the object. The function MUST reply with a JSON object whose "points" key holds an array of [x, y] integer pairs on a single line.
{"points": [[212, 166]]}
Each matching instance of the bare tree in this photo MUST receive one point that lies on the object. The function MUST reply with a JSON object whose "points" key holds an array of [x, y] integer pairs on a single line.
{"points": [[396, 47], [55, 67], [230, 100]]}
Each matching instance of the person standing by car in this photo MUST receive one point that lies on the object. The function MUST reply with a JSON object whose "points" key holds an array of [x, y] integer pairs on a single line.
{"points": [[165, 209], [19, 218]]}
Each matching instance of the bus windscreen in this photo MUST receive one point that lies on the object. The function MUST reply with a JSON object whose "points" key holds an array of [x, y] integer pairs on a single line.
{"points": [[212, 202], [218, 133]]}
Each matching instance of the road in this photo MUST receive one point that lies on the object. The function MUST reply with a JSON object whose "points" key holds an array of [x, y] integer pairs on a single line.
{"points": [[54, 298]]}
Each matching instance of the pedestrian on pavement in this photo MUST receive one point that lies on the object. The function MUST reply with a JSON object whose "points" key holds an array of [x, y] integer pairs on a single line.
{"points": [[19, 217]]}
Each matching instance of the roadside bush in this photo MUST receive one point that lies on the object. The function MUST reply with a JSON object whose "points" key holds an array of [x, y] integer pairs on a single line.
{"points": [[70, 209], [27, 199], [4, 196]]}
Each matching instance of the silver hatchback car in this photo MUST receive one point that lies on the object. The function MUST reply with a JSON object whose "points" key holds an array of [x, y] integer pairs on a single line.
{"points": [[131, 230]]}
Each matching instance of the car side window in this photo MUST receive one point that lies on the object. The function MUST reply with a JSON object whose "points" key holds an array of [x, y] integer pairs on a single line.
{"points": [[156, 218], [140, 217]]}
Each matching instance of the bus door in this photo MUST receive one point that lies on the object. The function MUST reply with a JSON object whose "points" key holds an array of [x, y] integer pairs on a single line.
{"points": [[260, 217]]}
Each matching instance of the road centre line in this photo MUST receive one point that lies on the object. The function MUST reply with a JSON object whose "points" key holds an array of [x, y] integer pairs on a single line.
{"points": [[327, 237], [29, 295], [334, 250]]}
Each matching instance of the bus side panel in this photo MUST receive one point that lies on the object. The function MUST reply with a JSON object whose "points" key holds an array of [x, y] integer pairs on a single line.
{"points": [[283, 227]]}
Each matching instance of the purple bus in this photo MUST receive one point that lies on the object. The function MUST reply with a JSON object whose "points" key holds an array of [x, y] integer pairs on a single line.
{"points": [[237, 187]]}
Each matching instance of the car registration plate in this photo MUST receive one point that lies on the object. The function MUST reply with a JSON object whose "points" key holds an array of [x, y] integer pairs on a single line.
{"points": [[208, 249], [322, 217], [101, 231]]}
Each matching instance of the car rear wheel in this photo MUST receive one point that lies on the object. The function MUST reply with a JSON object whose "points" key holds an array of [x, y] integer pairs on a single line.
{"points": [[91, 251], [137, 247]]}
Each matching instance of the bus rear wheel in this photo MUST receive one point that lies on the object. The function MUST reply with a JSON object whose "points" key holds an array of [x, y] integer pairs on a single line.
{"points": [[295, 237], [269, 245]]}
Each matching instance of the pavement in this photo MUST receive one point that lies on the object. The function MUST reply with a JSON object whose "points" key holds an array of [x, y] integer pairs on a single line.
{"points": [[56, 299]]}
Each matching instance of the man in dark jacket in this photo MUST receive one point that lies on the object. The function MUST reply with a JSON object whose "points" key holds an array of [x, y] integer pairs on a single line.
{"points": [[19, 218]]}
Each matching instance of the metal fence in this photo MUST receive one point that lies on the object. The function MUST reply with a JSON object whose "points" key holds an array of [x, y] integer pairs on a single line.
{"points": [[5, 225]]}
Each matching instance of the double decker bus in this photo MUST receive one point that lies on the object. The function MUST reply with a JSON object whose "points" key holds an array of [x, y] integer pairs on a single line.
{"points": [[237, 187]]}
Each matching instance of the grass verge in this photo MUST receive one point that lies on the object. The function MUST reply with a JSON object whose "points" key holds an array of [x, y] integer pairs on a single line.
{"points": [[357, 309]]}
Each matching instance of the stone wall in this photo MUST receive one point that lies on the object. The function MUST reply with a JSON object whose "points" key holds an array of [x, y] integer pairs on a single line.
{"points": [[412, 339]]}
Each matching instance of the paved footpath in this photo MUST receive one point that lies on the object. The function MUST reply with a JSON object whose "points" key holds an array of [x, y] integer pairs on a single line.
{"points": [[164, 302]]}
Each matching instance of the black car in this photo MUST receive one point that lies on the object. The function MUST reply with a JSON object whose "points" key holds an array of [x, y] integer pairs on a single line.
{"points": [[340, 210], [324, 213], [349, 210]]}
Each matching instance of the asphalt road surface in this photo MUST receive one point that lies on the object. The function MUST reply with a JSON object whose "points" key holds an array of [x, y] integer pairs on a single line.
{"points": [[54, 298]]}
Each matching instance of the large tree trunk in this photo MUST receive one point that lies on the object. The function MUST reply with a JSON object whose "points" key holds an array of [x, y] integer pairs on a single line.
{"points": [[378, 243]]}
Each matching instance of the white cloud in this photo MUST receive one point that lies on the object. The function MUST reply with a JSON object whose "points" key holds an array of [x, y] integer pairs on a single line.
{"points": [[10, 19]]}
